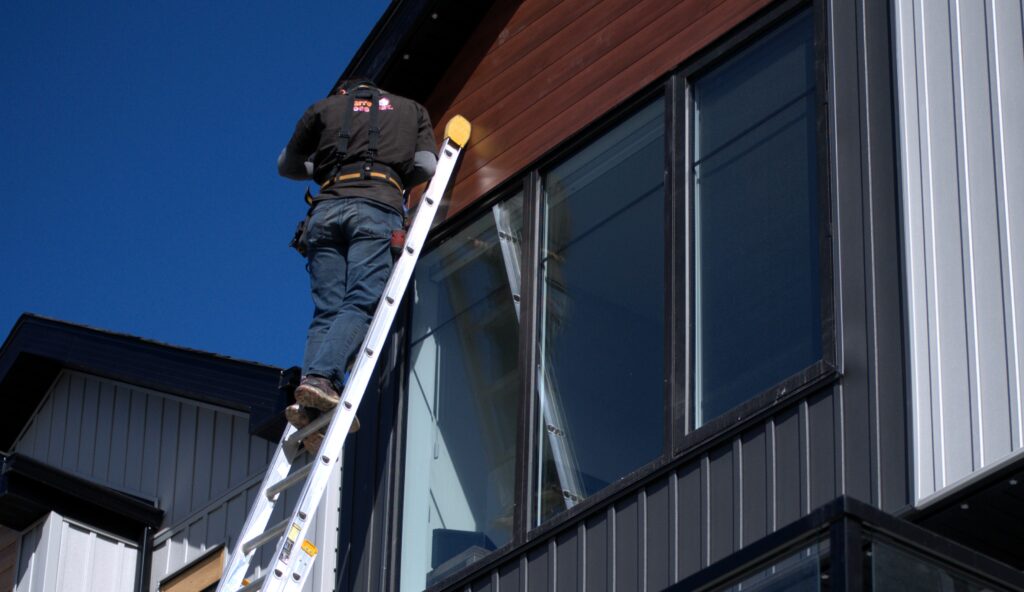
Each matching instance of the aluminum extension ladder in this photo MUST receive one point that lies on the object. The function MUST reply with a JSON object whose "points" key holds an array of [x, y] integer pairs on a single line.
{"points": [[566, 465], [294, 555]]}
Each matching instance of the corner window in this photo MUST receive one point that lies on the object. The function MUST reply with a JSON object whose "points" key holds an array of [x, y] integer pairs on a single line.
{"points": [[462, 401], [600, 388], [756, 218], [537, 376]]}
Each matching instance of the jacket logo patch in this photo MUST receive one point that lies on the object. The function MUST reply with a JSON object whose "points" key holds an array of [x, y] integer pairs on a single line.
{"points": [[385, 105], [361, 105]]}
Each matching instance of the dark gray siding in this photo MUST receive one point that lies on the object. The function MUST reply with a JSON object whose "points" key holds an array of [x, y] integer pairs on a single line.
{"points": [[847, 437], [850, 437]]}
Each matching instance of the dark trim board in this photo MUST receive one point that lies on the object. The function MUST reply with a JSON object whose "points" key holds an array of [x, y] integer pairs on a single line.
{"points": [[30, 489], [847, 521], [38, 348]]}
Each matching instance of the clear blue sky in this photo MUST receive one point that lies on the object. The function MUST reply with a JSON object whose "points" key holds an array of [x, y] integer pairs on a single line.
{"points": [[138, 191]]}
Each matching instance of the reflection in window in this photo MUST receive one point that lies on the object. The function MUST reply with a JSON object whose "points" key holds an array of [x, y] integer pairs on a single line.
{"points": [[893, 569], [463, 385], [801, 571], [757, 297], [600, 388]]}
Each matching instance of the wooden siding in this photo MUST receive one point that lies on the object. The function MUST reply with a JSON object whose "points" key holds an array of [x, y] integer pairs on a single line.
{"points": [[557, 66], [960, 89]]}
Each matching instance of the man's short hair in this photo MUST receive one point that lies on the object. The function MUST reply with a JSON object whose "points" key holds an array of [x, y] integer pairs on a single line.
{"points": [[353, 83]]}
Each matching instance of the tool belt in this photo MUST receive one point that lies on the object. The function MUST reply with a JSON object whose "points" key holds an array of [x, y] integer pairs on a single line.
{"points": [[362, 172]]}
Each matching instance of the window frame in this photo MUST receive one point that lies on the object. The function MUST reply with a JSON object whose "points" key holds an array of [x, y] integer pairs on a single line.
{"points": [[685, 433], [681, 440]]}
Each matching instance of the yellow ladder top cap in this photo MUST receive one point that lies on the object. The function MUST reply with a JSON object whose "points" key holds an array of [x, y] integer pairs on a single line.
{"points": [[458, 130]]}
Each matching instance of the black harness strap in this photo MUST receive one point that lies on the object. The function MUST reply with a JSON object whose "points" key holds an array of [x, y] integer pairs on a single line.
{"points": [[373, 133], [344, 136]]}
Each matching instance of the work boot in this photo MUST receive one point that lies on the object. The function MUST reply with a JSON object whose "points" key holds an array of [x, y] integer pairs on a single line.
{"points": [[318, 393]]}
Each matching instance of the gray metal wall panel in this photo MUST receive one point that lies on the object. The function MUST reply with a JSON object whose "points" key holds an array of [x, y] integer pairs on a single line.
{"points": [[568, 567], [58, 555], [659, 542], [597, 558], [754, 501], [197, 461], [149, 444], [628, 544], [510, 577], [721, 502], [960, 83], [538, 568], [690, 491]]}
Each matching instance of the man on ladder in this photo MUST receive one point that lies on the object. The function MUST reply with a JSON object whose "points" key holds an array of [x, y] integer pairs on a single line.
{"points": [[364, 147]]}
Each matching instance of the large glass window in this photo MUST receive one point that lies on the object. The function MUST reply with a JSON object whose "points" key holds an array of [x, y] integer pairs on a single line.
{"points": [[462, 405], [600, 388], [756, 223]]}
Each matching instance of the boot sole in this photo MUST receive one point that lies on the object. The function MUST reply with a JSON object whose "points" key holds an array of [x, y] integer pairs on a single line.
{"points": [[313, 397]]}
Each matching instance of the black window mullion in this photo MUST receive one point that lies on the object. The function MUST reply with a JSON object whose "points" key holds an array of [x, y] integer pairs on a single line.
{"points": [[528, 352], [677, 236]]}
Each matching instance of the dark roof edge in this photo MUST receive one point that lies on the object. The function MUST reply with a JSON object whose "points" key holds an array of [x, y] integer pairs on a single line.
{"points": [[37, 348], [384, 40], [33, 318], [30, 488]]}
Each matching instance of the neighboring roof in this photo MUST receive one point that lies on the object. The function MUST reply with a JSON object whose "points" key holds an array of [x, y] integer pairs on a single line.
{"points": [[38, 348], [414, 42], [30, 490]]}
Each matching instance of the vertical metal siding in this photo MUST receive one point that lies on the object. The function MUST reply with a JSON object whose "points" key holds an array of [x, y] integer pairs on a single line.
{"points": [[198, 462], [149, 444], [960, 87], [845, 438], [60, 555]]}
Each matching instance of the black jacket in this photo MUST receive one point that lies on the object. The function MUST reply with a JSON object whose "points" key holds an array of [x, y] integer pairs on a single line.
{"points": [[405, 130]]}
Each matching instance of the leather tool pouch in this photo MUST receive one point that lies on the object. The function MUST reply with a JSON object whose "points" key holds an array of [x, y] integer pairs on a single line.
{"points": [[397, 242], [298, 241]]}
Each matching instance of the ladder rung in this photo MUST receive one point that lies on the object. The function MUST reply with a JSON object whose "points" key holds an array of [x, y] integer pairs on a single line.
{"points": [[253, 585], [288, 481], [315, 425], [271, 533]]}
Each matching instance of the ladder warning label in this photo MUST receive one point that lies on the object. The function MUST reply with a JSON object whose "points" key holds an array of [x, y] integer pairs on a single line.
{"points": [[293, 533]]}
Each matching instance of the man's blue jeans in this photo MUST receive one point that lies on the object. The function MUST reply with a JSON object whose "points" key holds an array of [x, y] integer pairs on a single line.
{"points": [[349, 251]]}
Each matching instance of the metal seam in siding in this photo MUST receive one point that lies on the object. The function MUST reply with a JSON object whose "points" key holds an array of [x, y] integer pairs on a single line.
{"points": [[673, 511], [916, 295], [737, 492], [963, 146], [928, 207], [999, 156], [705, 513], [772, 490], [641, 517]]}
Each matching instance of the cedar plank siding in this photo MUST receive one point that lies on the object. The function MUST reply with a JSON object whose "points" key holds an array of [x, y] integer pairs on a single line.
{"points": [[556, 66]]}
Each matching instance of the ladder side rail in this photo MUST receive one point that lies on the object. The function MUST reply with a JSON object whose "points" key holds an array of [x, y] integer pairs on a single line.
{"points": [[258, 518], [359, 377], [566, 464]]}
